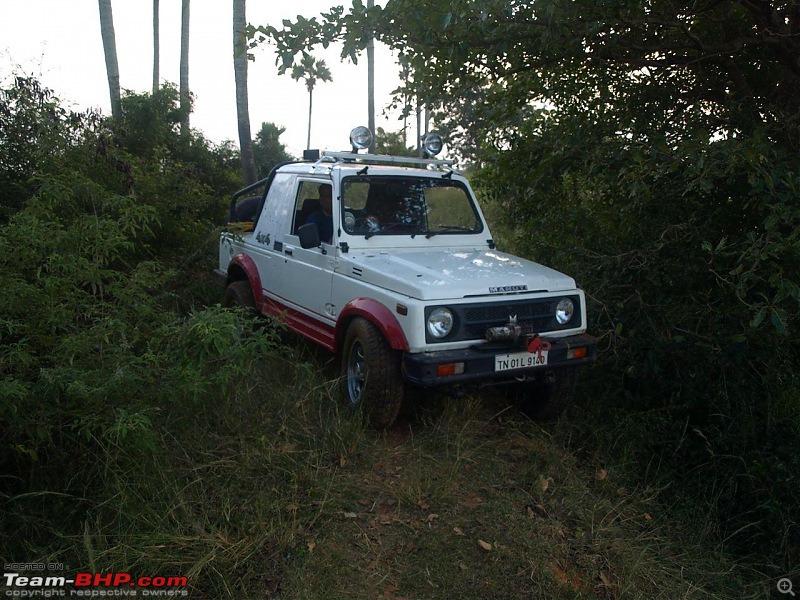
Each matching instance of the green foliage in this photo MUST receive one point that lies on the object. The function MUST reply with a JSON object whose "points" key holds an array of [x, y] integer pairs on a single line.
{"points": [[103, 264], [35, 129], [392, 143], [650, 150], [311, 71], [268, 150]]}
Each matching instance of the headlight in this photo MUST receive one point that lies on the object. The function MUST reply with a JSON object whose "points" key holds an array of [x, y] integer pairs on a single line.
{"points": [[440, 322], [360, 138], [432, 143], [564, 310]]}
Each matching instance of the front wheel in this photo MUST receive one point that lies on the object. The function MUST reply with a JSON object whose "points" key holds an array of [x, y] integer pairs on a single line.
{"points": [[371, 379], [547, 397]]}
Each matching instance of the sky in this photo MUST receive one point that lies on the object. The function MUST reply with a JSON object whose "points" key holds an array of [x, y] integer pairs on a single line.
{"points": [[59, 42]]}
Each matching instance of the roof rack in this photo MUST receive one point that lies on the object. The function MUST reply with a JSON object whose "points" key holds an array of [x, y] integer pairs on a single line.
{"points": [[383, 158]]}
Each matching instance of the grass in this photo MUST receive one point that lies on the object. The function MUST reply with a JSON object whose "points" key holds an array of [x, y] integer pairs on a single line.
{"points": [[273, 491]]}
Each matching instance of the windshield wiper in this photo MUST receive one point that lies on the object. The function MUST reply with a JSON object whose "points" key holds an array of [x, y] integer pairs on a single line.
{"points": [[445, 228]]}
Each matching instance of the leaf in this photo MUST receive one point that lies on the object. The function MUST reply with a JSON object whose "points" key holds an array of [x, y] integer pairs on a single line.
{"points": [[544, 483], [759, 318], [458, 531], [485, 545], [311, 546], [606, 579], [778, 318], [601, 474], [473, 502], [560, 574], [350, 515]]}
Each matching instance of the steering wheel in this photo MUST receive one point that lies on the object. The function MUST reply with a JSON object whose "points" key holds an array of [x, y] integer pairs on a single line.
{"points": [[372, 223]]}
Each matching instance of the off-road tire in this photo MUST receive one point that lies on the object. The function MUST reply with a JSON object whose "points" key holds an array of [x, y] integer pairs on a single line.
{"points": [[548, 397], [371, 380], [240, 294]]}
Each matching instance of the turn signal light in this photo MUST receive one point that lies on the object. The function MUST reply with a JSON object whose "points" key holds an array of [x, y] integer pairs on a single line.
{"points": [[576, 353], [447, 369]]}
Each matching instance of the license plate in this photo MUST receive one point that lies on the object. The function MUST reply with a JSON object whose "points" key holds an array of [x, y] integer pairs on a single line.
{"points": [[519, 360]]}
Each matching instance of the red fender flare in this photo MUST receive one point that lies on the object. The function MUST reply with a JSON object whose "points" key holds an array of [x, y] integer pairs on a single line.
{"points": [[246, 263], [377, 314]]}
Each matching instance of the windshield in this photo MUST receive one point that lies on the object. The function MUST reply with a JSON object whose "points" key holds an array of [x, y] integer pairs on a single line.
{"points": [[375, 205]]}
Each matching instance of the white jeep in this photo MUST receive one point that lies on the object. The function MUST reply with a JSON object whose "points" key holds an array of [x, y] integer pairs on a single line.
{"points": [[409, 290]]}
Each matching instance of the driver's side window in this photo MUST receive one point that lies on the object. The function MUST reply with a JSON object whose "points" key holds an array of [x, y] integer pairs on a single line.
{"points": [[306, 203], [314, 206]]}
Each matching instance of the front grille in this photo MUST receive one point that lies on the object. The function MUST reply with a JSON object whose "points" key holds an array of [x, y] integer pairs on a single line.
{"points": [[535, 316]]}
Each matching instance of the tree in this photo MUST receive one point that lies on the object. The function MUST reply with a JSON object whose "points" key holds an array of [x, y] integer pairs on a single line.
{"points": [[661, 139], [186, 100], [371, 83], [240, 75], [311, 70], [393, 143], [156, 47], [268, 151], [110, 50]]}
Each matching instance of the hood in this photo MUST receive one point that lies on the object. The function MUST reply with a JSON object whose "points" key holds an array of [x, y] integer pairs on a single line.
{"points": [[439, 274]]}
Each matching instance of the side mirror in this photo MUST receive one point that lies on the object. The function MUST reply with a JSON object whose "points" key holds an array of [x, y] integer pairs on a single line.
{"points": [[309, 236]]}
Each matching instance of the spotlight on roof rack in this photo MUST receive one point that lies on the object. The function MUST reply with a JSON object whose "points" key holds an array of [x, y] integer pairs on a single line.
{"points": [[432, 144], [360, 138]]}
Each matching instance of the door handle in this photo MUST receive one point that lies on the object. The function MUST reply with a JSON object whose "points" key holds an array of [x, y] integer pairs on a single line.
{"points": [[288, 250]]}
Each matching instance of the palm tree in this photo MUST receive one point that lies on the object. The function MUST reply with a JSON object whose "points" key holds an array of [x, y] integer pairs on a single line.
{"points": [[184, 76], [311, 70], [240, 75], [371, 84], [110, 50], [156, 48]]}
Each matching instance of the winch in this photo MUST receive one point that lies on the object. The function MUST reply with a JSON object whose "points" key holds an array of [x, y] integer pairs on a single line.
{"points": [[511, 333]]}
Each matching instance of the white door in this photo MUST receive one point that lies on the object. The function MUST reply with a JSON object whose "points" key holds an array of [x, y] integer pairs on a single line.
{"points": [[305, 275]]}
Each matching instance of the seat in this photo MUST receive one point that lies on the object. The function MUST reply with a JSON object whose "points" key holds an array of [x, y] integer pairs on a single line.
{"points": [[310, 205]]}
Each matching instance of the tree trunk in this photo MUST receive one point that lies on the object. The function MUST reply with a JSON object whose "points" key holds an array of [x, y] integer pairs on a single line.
{"points": [[419, 130], [242, 105], [186, 101], [371, 86], [110, 50], [156, 47], [310, 96]]}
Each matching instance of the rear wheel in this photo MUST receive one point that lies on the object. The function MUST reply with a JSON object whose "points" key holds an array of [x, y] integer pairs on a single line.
{"points": [[548, 397], [371, 379], [240, 294]]}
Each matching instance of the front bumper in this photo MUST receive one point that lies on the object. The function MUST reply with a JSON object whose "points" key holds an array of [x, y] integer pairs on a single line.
{"points": [[422, 369]]}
